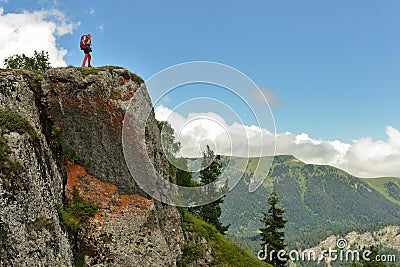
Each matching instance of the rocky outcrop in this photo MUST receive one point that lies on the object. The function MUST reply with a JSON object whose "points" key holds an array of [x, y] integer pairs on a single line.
{"points": [[126, 229], [387, 237], [31, 182], [83, 110], [89, 108]]}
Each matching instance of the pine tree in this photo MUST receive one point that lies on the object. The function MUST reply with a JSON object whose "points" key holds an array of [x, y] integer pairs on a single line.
{"points": [[272, 235], [211, 169]]}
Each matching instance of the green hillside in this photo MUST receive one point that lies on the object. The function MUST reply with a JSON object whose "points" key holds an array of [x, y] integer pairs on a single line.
{"points": [[387, 186], [315, 198], [224, 252]]}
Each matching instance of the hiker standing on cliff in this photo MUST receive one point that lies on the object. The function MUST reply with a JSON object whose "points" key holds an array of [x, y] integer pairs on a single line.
{"points": [[86, 43]]}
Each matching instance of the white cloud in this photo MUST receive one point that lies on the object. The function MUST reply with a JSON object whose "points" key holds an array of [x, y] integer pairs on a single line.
{"points": [[380, 157], [24, 33], [310, 150], [200, 129], [363, 158], [92, 11]]}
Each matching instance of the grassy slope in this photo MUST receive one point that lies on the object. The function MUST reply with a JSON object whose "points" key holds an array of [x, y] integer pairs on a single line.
{"points": [[225, 252], [379, 185]]}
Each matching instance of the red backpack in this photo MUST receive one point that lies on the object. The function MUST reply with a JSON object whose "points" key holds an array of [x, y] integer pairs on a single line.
{"points": [[82, 43]]}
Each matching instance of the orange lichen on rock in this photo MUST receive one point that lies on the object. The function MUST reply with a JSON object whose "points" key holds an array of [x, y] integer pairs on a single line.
{"points": [[104, 195]]}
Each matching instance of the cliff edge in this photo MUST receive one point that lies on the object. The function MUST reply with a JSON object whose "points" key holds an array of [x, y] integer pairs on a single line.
{"points": [[60, 135]]}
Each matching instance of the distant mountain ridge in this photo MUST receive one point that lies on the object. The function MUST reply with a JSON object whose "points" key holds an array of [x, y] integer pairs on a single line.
{"points": [[315, 197]]}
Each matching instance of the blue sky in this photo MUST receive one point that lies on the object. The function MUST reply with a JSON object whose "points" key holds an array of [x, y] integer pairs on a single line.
{"points": [[334, 66]]}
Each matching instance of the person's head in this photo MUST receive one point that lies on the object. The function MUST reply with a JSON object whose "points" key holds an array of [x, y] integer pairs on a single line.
{"points": [[89, 36]]}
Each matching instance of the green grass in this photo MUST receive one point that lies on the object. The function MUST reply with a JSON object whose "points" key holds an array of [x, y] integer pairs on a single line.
{"points": [[79, 259], [67, 220], [10, 169], [115, 94], [127, 75], [75, 213], [90, 71], [379, 185], [225, 253], [15, 123]]}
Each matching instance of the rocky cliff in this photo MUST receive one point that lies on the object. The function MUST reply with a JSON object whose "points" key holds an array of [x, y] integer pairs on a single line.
{"points": [[60, 134]]}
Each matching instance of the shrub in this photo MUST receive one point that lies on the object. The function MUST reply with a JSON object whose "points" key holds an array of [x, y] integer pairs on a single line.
{"points": [[55, 130], [39, 61], [76, 212], [71, 155]]}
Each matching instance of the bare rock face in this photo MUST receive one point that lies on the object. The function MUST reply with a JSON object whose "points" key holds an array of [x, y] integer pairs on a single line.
{"points": [[31, 183], [126, 229], [89, 107], [86, 107]]}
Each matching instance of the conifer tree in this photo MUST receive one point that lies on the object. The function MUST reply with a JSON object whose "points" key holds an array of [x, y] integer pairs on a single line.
{"points": [[211, 169], [272, 235]]}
